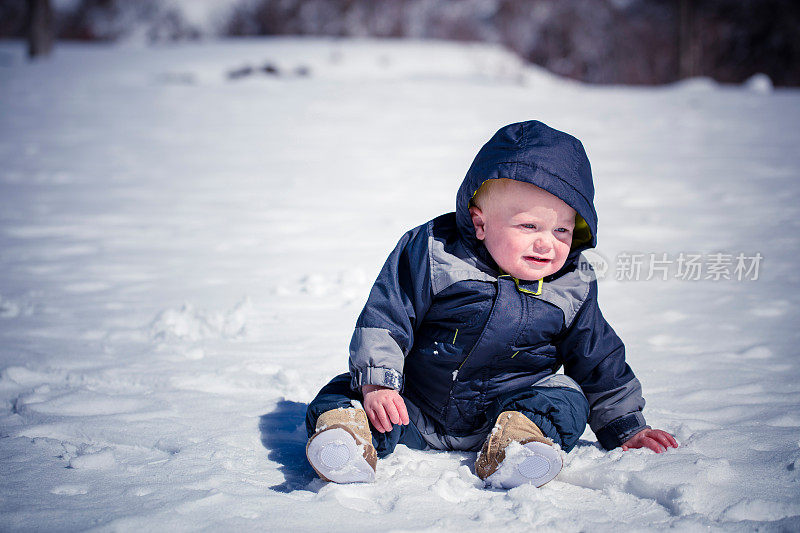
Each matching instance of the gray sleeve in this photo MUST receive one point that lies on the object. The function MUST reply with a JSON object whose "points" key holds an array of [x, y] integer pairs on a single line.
{"points": [[616, 414], [594, 356], [375, 359], [397, 303]]}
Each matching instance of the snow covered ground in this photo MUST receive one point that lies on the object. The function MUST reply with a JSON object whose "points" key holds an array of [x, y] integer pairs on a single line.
{"points": [[183, 255]]}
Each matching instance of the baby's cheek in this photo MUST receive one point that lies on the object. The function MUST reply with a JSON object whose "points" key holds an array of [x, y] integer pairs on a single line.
{"points": [[501, 249], [515, 246]]}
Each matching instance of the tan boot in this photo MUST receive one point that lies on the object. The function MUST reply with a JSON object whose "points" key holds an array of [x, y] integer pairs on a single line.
{"points": [[341, 449], [531, 458]]}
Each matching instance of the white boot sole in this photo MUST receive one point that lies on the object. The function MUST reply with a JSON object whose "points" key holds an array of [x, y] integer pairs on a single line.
{"points": [[335, 454], [533, 463]]}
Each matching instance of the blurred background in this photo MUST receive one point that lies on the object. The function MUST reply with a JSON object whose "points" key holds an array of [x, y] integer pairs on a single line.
{"points": [[594, 41]]}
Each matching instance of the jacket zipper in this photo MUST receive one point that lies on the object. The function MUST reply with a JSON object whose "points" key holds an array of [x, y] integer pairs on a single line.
{"points": [[480, 338]]}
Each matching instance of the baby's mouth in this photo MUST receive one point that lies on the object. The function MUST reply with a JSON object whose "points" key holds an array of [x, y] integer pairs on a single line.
{"points": [[537, 260]]}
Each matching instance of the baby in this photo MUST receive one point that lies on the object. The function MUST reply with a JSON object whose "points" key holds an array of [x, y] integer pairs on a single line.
{"points": [[471, 317]]}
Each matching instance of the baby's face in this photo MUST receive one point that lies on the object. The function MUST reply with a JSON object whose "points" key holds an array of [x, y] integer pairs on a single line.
{"points": [[527, 230]]}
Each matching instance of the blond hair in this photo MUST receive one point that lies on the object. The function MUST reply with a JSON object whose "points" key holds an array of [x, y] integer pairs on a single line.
{"points": [[489, 189]]}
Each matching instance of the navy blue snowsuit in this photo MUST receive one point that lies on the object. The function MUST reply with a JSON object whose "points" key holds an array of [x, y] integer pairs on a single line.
{"points": [[463, 342]]}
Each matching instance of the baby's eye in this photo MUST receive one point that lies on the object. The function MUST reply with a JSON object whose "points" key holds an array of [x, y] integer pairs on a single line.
{"points": [[562, 230], [528, 226]]}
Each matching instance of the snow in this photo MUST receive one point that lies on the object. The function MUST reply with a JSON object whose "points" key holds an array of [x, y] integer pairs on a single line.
{"points": [[533, 463], [184, 255], [203, 14], [760, 83]]}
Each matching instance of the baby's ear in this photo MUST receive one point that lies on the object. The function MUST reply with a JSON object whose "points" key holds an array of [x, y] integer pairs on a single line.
{"points": [[478, 222]]}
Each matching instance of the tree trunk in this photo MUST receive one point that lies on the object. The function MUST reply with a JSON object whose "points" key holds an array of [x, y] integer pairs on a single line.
{"points": [[687, 40], [40, 28]]}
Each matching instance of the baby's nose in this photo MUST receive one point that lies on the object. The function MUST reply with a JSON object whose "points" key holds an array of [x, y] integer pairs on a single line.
{"points": [[542, 245]]}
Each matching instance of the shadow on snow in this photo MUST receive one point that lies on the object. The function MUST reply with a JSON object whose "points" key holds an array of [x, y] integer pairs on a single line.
{"points": [[283, 434]]}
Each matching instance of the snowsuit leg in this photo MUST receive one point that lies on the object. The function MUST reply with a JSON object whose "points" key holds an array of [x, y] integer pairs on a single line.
{"points": [[337, 393], [556, 404]]}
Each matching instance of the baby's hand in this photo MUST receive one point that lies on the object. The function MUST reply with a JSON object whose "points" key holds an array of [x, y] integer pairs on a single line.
{"points": [[384, 407], [655, 439]]}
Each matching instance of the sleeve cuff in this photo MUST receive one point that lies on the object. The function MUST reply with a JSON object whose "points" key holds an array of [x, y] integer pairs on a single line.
{"points": [[613, 434], [372, 375]]}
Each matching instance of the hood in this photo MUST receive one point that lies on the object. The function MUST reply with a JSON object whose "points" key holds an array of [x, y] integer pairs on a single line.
{"points": [[534, 153]]}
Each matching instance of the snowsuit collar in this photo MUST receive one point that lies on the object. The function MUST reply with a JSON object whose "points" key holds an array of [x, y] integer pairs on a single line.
{"points": [[534, 153]]}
